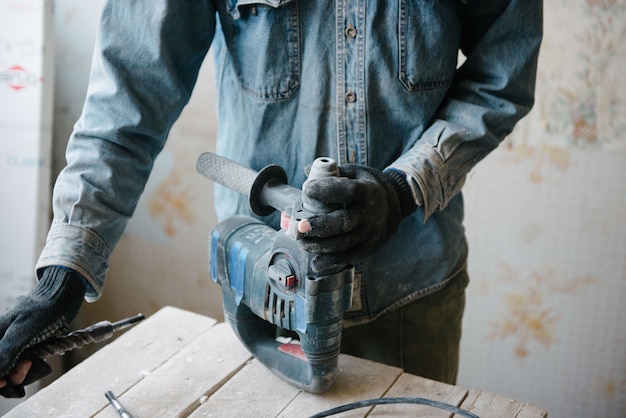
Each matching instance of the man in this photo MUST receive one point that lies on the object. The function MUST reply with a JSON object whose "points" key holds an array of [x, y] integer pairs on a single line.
{"points": [[374, 85]]}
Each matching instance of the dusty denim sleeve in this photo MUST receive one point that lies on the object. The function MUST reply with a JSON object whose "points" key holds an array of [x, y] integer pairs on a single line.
{"points": [[492, 90], [146, 61]]}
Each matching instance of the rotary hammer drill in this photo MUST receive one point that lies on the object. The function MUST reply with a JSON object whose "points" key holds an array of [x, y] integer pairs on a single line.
{"points": [[268, 285]]}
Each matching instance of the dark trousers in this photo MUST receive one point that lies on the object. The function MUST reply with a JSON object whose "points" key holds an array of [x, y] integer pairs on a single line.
{"points": [[422, 337]]}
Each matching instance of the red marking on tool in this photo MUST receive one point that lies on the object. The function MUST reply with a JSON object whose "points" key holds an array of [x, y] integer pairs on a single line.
{"points": [[294, 350], [284, 221]]}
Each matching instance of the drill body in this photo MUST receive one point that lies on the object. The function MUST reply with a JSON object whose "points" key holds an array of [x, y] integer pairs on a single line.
{"points": [[269, 287]]}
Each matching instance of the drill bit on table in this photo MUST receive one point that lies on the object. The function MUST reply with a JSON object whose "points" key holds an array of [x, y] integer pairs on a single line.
{"points": [[95, 333], [117, 405]]}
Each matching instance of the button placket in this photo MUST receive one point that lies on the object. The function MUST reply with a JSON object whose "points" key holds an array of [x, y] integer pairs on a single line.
{"points": [[351, 124]]}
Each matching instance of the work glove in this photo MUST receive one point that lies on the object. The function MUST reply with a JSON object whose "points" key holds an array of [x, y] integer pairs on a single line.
{"points": [[45, 313], [371, 205]]}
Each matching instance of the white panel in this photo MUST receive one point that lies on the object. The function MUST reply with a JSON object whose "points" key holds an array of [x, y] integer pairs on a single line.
{"points": [[26, 84]]}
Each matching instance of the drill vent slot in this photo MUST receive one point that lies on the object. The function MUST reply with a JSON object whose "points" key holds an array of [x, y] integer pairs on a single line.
{"points": [[277, 309]]}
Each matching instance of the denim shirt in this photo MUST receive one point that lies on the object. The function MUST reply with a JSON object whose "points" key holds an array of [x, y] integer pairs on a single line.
{"points": [[373, 83]]}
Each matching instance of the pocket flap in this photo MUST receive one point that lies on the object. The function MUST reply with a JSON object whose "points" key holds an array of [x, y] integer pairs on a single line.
{"points": [[234, 6]]}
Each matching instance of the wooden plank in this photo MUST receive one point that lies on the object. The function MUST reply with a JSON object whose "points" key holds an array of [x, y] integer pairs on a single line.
{"points": [[490, 405], [410, 386], [253, 392], [117, 366], [176, 388], [531, 411], [358, 379], [177, 363]]}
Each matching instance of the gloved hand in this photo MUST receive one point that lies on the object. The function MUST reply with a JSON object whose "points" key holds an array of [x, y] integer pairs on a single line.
{"points": [[45, 313], [372, 204]]}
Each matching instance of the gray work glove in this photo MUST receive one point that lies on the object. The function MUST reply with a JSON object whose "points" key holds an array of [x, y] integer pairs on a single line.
{"points": [[45, 313], [372, 204]]}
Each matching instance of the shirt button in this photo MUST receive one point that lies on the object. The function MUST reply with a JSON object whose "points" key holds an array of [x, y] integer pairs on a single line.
{"points": [[350, 96], [350, 31]]}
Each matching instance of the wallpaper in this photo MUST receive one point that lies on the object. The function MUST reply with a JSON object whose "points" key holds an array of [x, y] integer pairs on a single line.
{"points": [[546, 221]]}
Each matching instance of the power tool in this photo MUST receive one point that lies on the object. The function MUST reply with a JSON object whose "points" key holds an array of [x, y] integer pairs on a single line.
{"points": [[268, 286]]}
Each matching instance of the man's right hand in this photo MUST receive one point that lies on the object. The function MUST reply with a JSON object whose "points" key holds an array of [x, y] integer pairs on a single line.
{"points": [[45, 313], [19, 374]]}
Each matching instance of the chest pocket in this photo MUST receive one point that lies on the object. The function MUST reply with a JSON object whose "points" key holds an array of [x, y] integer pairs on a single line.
{"points": [[428, 40], [263, 40]]}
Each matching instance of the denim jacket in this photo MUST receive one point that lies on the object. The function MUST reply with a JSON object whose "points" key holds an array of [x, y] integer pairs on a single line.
{"points": [[374, 83]]}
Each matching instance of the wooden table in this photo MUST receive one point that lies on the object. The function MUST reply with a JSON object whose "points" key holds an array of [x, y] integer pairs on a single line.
{"points": [[180, 364]]}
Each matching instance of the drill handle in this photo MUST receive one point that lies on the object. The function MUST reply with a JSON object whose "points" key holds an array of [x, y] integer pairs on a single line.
{"points": [[267, 190]]}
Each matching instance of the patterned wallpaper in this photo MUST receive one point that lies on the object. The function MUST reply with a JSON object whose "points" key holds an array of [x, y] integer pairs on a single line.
{"points": [[546, 220], [585, 108]]}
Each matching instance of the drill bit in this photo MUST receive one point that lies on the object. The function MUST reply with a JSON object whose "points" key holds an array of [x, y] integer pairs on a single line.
{"points": [[117, 405], [95, 333]]}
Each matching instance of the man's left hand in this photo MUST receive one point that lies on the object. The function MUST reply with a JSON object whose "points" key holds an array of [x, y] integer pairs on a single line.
{"points": [[370, 210]]}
